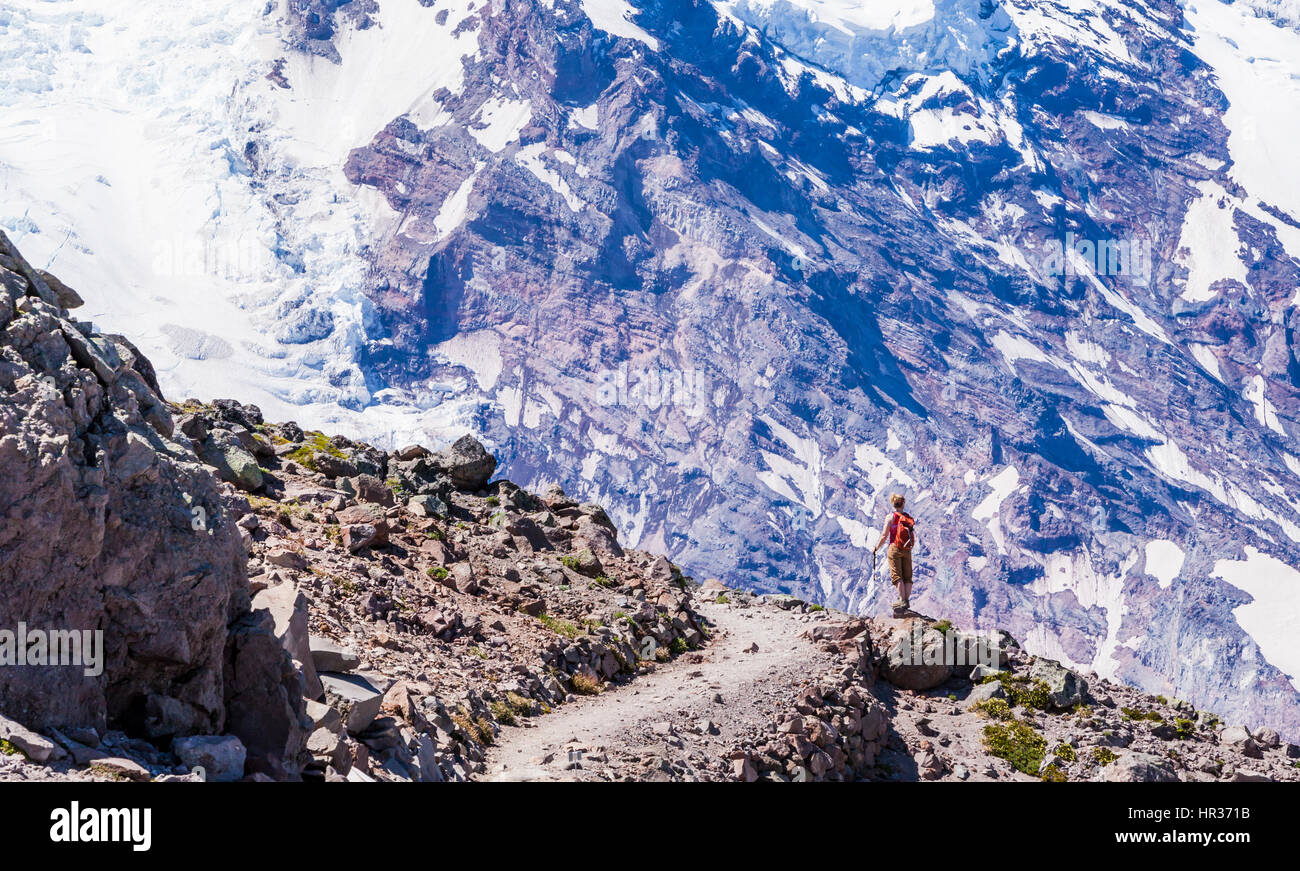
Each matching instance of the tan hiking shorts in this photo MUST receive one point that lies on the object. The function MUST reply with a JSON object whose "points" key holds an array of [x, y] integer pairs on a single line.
{"points": [[900, 565]]}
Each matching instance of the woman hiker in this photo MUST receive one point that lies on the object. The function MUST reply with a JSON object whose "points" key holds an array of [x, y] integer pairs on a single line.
{"points": [[900, 534]]}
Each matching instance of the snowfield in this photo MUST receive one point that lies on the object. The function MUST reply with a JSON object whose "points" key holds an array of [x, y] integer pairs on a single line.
{"points": [[125, 170]]}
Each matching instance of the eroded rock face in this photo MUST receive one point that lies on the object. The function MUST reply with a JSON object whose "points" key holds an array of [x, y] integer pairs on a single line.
{"points": [[111, 526]]}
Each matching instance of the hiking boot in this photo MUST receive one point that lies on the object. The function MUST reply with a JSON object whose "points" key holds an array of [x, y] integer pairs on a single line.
{"points": [[906, 605], [900, 605]]}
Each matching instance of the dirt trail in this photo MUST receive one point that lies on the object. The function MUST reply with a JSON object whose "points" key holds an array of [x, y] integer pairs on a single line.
{"points": [[661, 713]]}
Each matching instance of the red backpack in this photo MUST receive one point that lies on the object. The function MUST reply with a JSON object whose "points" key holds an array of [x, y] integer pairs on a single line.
{"points": [[904, 535]]}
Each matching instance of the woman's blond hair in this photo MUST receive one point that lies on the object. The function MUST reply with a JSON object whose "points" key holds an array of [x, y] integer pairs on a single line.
{"points": [[897, 500]]}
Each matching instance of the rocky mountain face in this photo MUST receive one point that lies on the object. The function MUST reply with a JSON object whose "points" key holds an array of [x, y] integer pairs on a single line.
{"points": [[113, 526], [739, 270], [740, 287]]}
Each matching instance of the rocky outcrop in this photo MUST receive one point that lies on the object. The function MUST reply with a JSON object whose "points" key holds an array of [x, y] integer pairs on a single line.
{"points": [[836, 726], [112, 526], [1031, 718]]}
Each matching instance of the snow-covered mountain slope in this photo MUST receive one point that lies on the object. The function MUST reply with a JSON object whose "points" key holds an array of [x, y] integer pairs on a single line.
{"points": [[749, 266], [144, 149]]}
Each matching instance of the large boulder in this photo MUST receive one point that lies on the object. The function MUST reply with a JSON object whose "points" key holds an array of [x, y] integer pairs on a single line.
{"points": [[356, 696], [1140, 768], [915, 657], [596, 537], [288, 609], [1239, 739], [1065, 688], [367, 524], [112, 534], [264, 698], [467, 463], [328, 656], [234, 463]]}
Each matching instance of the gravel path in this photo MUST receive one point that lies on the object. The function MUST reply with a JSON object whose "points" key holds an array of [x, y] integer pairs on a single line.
{"points": [[659, 715]]}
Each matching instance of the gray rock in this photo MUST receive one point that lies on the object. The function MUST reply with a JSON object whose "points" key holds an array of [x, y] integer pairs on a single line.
{"points": [[462, 579], [363, 525], [980, 672], [330, 745], [467, 463], [357, 536], [1267, 738], [264, 704], [584, 562], [426, 506], [985, 691], [1065, 688], [426, 758], [1140, 768], [66, 296], [323, 716], [328, 656], [354, 697], [333, 467], [370, 489], [915, 657], [1238, 738], [120, 768], [288, 608], [99, 356], [232, 461], [35, 747], [1243, 776], [221, 757]]}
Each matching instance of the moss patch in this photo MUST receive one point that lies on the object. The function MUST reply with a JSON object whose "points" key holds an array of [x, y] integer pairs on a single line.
{"points": [[560, 627], [1103, 755], [1018, 743], [1022, 691]]}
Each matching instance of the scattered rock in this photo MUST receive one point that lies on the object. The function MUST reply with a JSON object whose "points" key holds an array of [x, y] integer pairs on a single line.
{"points": [[220, 756], [35, 747]]}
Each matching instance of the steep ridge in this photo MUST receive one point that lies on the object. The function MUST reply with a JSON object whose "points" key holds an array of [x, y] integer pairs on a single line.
{"points": [[112, 527]]}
